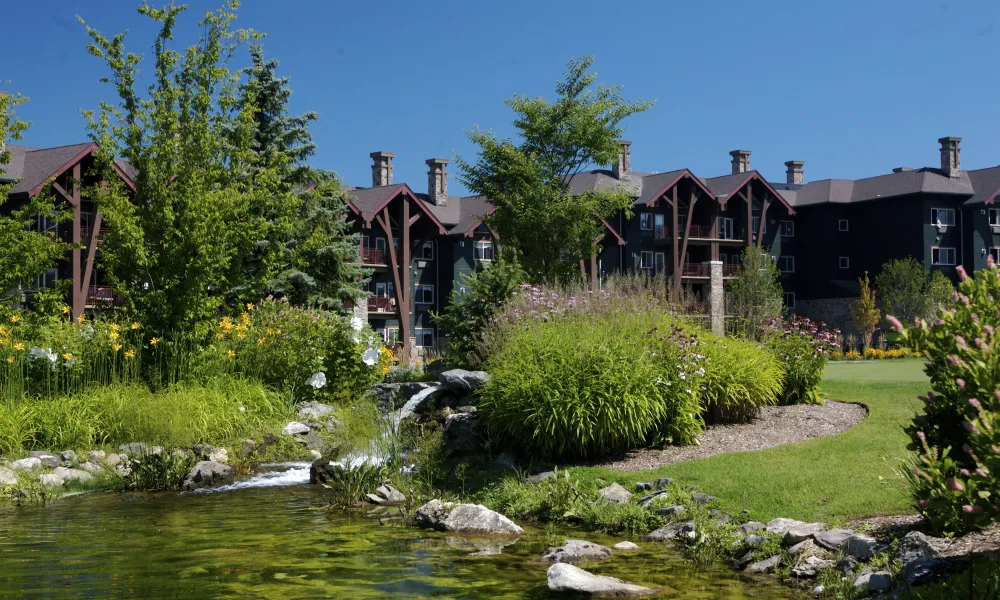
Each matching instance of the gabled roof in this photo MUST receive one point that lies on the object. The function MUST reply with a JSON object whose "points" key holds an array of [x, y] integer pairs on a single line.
{"points": [[372, 200], [986, 182], [727, 185], [34, 166], [472, 209], [653, 186]]}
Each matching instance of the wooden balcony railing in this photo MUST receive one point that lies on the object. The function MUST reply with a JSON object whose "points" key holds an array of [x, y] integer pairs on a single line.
{"points": [[730, 270], [381, 304], [103, 295], [694, 271], [372, 256]]}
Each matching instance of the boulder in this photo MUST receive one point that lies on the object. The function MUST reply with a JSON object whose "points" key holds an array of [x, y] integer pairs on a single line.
{"points": [[113, 459], [432, 515], [26, 464], [460, 381], [562, 577], [874, 582], [918, 569], [96, 455], [219, 455], [671, 531], [248, 448], [295, 428], [744, 560], [702, 498], [7, 477], [91, 467], [614, 494], [751, 527], [310, 440], [315, 454], [626, 546], [834, 539], [207, 474], [847, 564], [315, 411], [71, 474], [764, 566], [810, 566], [801, 533], [806, 548], [780, 526], [476, 518], [321, 470], [670, 510], [914, 545], [68, 456], [860, 546], [47, 458], [755, 540], [462, 434], [648, 498], [391, 396], [50, 479], [389, 495], [573, 551]]}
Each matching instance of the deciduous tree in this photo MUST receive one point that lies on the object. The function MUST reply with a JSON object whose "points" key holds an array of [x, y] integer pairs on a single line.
{"points": [[865, 312], [755, 295]]}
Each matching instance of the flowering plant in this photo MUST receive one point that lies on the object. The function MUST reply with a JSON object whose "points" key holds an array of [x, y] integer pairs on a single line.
{"points": [[957, 438], [804, 347]]}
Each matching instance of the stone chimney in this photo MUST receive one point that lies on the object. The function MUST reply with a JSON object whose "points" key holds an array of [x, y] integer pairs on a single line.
{"points": [[381, 168], [795, 174], [741, 161], [622, 170], [951, 157], [902, 169], [437, 181]]}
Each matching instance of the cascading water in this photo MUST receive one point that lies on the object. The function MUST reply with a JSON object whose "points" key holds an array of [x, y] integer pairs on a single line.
{"points": [[412, 404]]}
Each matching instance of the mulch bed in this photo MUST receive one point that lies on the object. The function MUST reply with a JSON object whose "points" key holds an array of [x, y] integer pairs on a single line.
{"points": [[776, 425]]}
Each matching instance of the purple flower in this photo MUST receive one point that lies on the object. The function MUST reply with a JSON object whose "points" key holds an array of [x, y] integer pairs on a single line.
{"points": [[922, 436], [955, 485], [964, 472], [981, 472], [924, 503], [953, 361], [960, 340]]}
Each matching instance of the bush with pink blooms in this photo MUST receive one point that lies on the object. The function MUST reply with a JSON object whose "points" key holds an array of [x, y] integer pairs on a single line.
{"points": [[957, 438], [803, 347]]}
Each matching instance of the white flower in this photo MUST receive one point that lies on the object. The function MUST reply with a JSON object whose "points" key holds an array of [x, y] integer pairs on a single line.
{"points": [[317, 380], [241, 408], [370, 357], [357, 323]]}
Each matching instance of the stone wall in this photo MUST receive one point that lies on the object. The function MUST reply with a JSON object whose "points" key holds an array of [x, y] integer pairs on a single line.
{"points": [[835, 312]]}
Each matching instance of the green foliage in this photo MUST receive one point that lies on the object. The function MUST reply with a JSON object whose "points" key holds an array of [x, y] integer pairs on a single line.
{"points": [[957, 438], [981, 581], [349, 483], [156, 472], [908, 290], [625, 519], [755, 295], [555, 499], [740, 378], [541, 223], [406, 375], [865, 312], [467, 316], [804, 348]]}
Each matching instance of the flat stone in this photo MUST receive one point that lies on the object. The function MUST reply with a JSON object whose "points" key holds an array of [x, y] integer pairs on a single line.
{"points": [[614, 494], [48, 459], [751, 527], [860, 546], [810, 566], [801, 533], [723, 520], [670, 510], [91, 467], [834, 539], [562, 577], [755, 540], [7, 477], [72, 474], [914, 545], [702, 498], [50, 479], [648, 498], [918, 569], [315, 410], [390, 495], [764, 566], [375, 499], [68, 456], [780, 526], [805, 548], [460, 381], [671, 531], [744, 560], [295, 428], [874, 582], [26, 464], [626, 546], [573, 551]]}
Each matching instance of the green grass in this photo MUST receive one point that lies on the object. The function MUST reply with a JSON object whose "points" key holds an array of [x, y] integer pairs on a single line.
{"points": [[851, 475]]}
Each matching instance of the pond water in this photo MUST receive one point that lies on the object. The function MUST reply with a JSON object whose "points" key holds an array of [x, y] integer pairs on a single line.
{"points": [[273, 541]]}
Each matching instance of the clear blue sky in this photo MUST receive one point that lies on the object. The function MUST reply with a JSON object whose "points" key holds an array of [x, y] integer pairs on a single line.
{"points": [[853, 88]]}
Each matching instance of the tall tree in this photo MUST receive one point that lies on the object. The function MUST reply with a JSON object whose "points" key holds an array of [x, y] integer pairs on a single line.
{"points": [[26, 252], [177, 244], [908, 290], [540, 223], [755, 295]]}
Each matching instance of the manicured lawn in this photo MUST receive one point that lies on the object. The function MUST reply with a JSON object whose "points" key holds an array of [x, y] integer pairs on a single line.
{"points": [[850, 475]]}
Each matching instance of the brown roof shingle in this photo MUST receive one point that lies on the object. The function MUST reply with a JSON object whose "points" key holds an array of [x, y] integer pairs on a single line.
{"points": [[33, 166]]}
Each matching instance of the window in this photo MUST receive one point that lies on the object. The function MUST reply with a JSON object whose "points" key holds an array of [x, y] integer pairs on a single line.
{"points": [[423, 294], [995, 253], [426, 252], [726, 228], [49, 278], [483, 251], [384, 290], [842, 225], [392, 336], [942, 256], [645, 260], [661, 262], [424, 337], [942, 216], [786, 264], [995, 217], [755, 225], [658, 226], [845, 262], [646, 221], [788, 229], [789, 300]]}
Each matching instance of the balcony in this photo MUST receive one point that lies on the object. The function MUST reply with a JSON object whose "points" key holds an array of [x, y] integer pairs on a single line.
{"points": [[697, 233], [373, 256], [103, 296], [701, 270], [381, 304]]}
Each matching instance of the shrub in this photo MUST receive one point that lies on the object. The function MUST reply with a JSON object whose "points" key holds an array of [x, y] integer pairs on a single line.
{"points": [[803, 347], [755, 295], [957, 438], [740, 378]]}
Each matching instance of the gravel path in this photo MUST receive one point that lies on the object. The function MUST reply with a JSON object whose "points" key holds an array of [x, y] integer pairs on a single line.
{"points": [[776, 425]]}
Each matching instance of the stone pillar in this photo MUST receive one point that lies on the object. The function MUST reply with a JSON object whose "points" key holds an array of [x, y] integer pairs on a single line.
{"points": [[717, 297]]}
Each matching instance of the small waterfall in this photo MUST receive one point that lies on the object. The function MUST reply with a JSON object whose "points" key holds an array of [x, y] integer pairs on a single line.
{"points": [[413, 403], [277, 475]]}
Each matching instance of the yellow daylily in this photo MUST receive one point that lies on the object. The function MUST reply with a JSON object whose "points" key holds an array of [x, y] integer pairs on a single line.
{"points": [[15, 318], [10, 359], [68, 357], [130, 353], [135, 325], [117, 347], [114, 335], [262, 340], [154, 341], [230, 354], [67, 309], [250, 306], [19, 347], [114, 327], [81, 318]]}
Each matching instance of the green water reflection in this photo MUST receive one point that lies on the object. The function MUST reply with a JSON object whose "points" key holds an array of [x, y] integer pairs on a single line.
{"points": [[272, 543]]}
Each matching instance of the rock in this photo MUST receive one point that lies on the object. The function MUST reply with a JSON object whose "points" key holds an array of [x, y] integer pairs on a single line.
{"points": [[780, 526], [671, 531], [50, 479], [626, 546], [139, 450], [562, 577], [662, 483], [182, 453], [460, 381], [476, 518], [310, 440], [648, 498], [92, 467], [47, 458], [444, 413], [671, 510], [573, 551], [643, 486], [295, 428], [202, 450], [219, 455], [818, 590], [847, 564], [248, 448], [390, 495], [113, 459], [7, 477], [391, 396], [833, 539], [467, 409], [755, 540], [874, 582], [26, 464], [765, 566], [68, 456], [801, 533], [810, 566], [315, 454], [207, 474], [505, 461], [462, 435], [751, 527], [432, 515], [744, 560], [723, 520], [702, 498], [71, 474], [321, 470], [860, 546], [315, 410], [375, 499], [479, 546], [540, 477], [806, 548], [614, 494], [96, 455], [914, 545], [918, 569]]}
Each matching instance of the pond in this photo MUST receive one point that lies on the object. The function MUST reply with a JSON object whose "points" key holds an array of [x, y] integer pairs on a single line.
{"points": [[276, 542]]}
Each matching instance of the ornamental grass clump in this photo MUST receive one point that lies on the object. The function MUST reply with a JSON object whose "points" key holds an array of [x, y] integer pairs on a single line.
{"points": [[740, 378], [957, 438]]}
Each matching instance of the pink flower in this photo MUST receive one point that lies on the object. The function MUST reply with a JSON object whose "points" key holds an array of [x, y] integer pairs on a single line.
{"points": [[924, 503], [960, 383], [964, 472], [981, 472], [974, 403], [955, 485], [960, 340], [962, 275], [971, 510], [970, 428], [896, 324], [953, 361]]}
